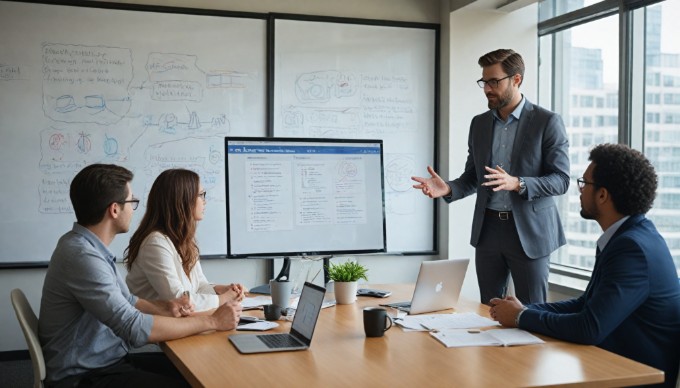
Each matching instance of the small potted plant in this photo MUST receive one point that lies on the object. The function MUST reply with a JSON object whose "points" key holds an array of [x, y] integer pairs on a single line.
{"points": [[345, 276]]}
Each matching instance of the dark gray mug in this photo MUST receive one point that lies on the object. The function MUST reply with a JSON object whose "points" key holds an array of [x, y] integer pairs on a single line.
{"points": [[272, 312], [376, 321]]}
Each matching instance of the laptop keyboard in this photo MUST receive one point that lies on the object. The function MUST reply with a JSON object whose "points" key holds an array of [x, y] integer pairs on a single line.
{"points": [[276, 341]]}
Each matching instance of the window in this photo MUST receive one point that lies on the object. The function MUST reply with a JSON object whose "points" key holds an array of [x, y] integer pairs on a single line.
{"points": [[587, 101], [653, 98], [612, 101], [579, 54], [669, 81], [672, 98], [662, 137], [653, 117], [671, 118], [590, 57], [553, 8], [653, 79]]}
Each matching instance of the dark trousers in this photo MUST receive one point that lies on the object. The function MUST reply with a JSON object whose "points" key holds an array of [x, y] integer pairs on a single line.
{"points": [[143, 370], [499, 253]]}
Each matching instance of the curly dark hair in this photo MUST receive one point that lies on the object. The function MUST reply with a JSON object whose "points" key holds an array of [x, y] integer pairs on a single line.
{"points": [[628, 176]]}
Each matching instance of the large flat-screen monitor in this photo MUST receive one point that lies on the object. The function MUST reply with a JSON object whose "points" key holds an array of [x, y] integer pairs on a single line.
{"points": [[304, 197]]}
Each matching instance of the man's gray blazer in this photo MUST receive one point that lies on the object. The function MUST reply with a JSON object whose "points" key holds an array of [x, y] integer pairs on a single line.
{"points": [[540, 156]]}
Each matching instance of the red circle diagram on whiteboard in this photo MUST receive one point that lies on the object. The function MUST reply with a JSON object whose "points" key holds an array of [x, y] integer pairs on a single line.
{"points": [[56, 141]]}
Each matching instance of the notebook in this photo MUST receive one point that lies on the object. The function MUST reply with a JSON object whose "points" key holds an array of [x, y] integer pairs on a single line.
{"points": [[437, 287], [456, 338], [301, 331]]}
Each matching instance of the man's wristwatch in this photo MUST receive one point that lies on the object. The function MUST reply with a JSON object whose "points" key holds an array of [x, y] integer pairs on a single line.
{"points": [[522, 186]]}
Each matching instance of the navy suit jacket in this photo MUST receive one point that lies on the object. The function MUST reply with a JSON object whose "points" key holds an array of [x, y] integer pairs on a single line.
{"points": [[540, 156], [631, 305]]}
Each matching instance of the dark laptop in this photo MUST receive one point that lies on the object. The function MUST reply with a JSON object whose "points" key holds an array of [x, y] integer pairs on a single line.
{"points": [[301, 331]]}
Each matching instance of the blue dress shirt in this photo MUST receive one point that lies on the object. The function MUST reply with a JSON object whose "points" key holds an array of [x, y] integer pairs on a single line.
{"points": [[87, 314]]}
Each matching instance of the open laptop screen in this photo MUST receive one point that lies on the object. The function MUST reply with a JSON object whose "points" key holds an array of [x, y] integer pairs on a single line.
{"points": [[307, 312]]}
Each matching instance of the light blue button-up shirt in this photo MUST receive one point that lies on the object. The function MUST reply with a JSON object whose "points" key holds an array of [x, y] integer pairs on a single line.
{"points": [[609, 233], [87, 314]]}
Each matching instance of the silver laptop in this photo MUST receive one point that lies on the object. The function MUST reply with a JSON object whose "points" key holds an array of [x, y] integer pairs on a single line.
{"points": [[437, 288], [301, 331]]}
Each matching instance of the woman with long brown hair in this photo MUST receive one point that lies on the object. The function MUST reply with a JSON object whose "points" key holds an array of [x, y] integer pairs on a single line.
{"points": [[163, 258]]}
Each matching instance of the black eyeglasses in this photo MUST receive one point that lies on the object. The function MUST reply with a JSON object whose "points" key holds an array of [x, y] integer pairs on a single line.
{"points": [[582, 183], [491, 82], [202, 194], [134, 202]]}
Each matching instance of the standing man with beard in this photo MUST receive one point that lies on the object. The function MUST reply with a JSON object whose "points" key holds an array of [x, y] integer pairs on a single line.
{"points": [[517, 162]]}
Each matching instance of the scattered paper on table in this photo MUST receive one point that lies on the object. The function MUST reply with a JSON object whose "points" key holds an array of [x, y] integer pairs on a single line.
{"points": [[258, 326], [249, 303], [424, 322], [456, 321]]}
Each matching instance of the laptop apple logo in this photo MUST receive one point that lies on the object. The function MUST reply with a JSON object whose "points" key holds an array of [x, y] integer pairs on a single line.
{"points": [[439, 287]]}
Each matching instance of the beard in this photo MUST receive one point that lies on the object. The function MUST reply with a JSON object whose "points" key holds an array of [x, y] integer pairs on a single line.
{"points": [[501, 100], [588, 214]]}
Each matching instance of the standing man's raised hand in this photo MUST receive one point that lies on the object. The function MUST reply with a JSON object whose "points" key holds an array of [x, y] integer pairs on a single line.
{"points": [[433, 187]]}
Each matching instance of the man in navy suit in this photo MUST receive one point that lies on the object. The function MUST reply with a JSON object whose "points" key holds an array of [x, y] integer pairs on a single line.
{"points": [[632, 303], [517, 162]]}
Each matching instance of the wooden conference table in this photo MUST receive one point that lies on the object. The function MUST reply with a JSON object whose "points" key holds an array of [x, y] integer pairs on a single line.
{"points": [[342, 356]]}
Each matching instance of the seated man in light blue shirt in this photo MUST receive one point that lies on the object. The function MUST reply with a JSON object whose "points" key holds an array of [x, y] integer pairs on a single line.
{"points": [[88, 318], [632, 303]]}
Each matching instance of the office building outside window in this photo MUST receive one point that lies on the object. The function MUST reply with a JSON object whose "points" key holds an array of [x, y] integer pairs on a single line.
{"points": [[579, 78], [662, 116]]}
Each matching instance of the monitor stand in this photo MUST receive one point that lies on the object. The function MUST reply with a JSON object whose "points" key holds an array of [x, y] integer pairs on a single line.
{"points": [[284, 274]]}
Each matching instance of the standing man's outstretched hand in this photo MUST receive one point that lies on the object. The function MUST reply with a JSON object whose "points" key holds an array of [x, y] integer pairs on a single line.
{"points": [[433, 187]]}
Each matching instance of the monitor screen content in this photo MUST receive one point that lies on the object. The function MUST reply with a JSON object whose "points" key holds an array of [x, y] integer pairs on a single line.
{"points": [[304, 197]]}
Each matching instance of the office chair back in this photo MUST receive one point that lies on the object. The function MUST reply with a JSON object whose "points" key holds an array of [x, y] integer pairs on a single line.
{"points": [[29, 325]]}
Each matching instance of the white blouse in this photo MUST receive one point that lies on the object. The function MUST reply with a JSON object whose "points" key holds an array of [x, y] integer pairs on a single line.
{"points": [[157, 273]]}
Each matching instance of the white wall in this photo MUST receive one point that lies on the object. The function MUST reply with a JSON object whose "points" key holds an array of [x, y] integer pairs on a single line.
{"points": [[467, 33]]}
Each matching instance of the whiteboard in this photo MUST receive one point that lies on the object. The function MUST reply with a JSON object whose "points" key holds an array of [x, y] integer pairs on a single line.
{"points": [[362, 81], [145, 90]]}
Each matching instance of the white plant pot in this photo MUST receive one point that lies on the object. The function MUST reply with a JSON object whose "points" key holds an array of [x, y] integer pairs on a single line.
{"points": [[345, 292]]}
